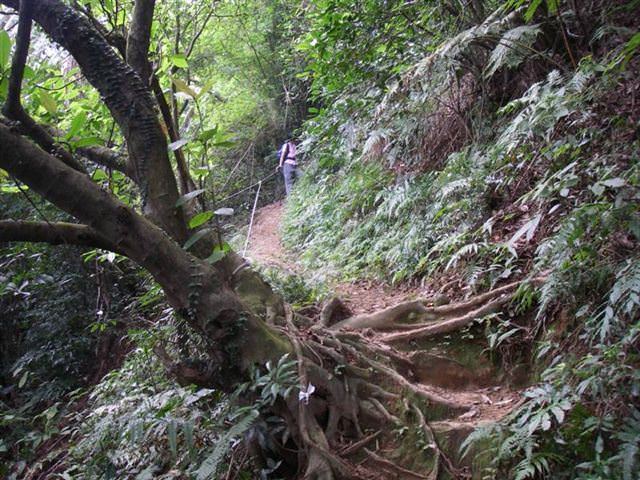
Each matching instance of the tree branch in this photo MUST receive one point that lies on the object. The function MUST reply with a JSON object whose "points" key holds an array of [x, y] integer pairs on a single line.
{"points": [[115, 39], [59, 233], [186, 182], [139, 38], [13, 106], [75, 193], [106, 157], [130, 103], [23, 39]]}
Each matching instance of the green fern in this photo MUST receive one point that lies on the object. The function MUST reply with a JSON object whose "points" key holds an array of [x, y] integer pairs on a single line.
{"points": [[209, 467], [514, 46]]}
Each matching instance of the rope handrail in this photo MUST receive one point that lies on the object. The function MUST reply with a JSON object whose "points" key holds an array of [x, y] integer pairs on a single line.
{"points": [[253, 213], [235, 194]]}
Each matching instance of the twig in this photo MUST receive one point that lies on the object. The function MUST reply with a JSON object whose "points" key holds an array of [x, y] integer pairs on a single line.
{"points": [[360, 443], [23, 39], [392, 466]]}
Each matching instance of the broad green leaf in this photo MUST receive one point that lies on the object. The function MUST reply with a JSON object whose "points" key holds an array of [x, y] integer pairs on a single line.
{"points": [[219, 253], [87, 142], [99, 175], [207, 86], [4, 86], [199, 235], [189, 196], [223, 144], [208, 134], [179, 60], [48, 102], [183, 87], [216, 256], [5, 49], [200, 172], [76, 124], [200, 218], [28, 72]]}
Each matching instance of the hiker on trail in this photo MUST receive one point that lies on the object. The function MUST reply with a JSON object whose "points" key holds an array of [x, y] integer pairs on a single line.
{"points": [[288, 164]]}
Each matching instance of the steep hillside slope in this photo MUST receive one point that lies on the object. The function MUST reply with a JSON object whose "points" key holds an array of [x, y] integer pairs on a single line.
{"points": [[511, 152]]}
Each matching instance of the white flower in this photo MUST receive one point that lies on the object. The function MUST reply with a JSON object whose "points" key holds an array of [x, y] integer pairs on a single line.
{"points": [[305, 393]]}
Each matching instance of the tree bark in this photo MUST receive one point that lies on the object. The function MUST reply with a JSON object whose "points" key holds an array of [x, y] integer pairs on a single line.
{"points": [[139, 38], [58, 233]]}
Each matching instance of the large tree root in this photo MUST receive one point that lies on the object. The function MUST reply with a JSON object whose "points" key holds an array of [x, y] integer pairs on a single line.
{"points": [[446, 326], [360, 389], [342, 368], [419, 320]]}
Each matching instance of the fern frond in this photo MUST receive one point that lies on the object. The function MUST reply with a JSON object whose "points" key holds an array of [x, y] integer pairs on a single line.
{"points": [[210, 466], [512, 49]]}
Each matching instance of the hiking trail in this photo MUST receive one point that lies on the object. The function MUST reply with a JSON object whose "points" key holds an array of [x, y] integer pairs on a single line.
{"points": [[364, 296], [452, 371]]}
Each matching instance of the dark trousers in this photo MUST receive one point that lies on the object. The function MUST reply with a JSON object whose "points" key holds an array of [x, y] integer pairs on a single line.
{"points": [[290, 174]]}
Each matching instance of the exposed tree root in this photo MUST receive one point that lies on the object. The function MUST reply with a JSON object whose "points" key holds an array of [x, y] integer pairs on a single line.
{"points": [[389, 318], [359, 444], [419, 319], [360, 382], [333, 310], [450, 325]]}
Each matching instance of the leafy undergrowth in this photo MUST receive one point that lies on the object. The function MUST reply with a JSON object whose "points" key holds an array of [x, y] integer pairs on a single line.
{"points": [[62, 318], [544, 181]]}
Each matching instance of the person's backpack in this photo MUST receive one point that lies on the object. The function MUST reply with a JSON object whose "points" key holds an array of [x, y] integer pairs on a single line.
{"points": [[284, 145]]}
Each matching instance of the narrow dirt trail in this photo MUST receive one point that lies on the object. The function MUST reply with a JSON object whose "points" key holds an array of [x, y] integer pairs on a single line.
{"points": [[486, 399], [265, 247]]}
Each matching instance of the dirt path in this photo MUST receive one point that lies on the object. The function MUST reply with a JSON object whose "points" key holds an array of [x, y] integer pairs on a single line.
{"points": [[486, 403], [266, 248]]}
